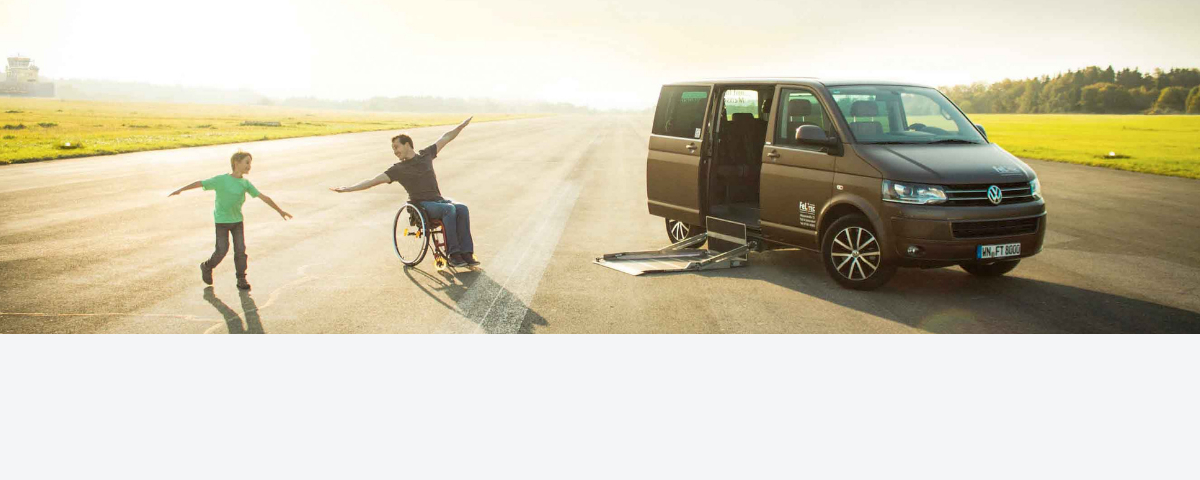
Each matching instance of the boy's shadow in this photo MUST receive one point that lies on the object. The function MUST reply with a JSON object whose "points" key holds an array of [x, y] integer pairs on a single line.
{"points": [[253, 323]]}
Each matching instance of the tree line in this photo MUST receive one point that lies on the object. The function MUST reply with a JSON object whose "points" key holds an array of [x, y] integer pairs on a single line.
{"points": [[1089, 90]]}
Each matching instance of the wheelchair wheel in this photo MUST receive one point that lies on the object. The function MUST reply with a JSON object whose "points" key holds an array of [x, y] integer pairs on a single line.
{"points": [[410, 235]]}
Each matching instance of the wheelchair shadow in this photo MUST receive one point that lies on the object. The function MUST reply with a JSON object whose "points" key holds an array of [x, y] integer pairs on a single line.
{"points": [[233, 321], [492, 306]]}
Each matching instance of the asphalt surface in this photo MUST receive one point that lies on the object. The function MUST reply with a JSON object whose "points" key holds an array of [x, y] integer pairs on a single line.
{"points": [[94, 245]]}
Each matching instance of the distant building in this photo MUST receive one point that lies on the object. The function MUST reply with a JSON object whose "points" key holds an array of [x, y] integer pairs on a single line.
{"points": [[21, 79]]}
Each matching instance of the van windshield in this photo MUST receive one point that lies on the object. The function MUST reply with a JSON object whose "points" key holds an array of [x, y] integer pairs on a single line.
{"points": [[912, 115]]}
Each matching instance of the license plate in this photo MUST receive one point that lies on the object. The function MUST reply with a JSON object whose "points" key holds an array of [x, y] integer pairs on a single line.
{"points": [[998, 251]]}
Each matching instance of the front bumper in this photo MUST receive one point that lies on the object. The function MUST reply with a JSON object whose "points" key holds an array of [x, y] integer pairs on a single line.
{"points": [[931, 229]]}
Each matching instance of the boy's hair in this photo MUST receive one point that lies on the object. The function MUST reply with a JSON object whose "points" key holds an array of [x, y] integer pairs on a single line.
{"points": [[403, 139], [237, 157]]}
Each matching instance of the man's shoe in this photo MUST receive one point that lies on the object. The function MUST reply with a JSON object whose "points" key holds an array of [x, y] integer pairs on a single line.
{"points": [[456, 261], [205, 274], [470, 259], [242, 285]]}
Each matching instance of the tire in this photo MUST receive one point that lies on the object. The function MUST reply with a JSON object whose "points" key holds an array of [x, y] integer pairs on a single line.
{"points": [[409, 223], [853, 254], [677, 230], [990, 269]]}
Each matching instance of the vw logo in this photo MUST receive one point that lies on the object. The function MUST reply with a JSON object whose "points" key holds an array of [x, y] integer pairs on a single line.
{"points": [[994, 195]]}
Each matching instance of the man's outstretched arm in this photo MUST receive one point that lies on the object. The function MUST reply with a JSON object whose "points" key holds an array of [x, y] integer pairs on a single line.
{"points": [[441, 143], [365, 184]]}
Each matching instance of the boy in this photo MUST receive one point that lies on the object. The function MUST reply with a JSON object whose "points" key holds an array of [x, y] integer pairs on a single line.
{"points": [[231, 191], [415, 173]]}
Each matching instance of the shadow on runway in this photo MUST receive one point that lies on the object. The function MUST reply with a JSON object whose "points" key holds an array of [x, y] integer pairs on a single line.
{"points": [[494, 308], [949, 300], [233, 321]]}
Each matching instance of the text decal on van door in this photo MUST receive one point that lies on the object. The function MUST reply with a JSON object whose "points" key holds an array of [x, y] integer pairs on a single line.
{"points": [[808, 215]]}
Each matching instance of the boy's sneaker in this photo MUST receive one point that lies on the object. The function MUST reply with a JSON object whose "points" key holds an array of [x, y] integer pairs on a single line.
{"points": [[456, 260], [470, 259], [205, 274], [242, 285]]}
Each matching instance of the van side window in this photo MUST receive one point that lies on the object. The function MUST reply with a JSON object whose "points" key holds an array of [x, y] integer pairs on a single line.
{"points": [[741, 101], [798, 108], [680, 111]]}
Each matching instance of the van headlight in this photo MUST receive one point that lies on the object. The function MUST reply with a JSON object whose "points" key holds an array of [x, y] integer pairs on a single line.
{"points": [[1035, 189], [913, 193]]}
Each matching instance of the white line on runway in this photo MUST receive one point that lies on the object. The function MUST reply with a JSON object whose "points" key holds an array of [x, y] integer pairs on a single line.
{"points": [[500, 307]]}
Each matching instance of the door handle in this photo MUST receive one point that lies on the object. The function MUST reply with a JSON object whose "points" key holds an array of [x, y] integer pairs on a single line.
{"points": [[691, 147], [773, 154]]}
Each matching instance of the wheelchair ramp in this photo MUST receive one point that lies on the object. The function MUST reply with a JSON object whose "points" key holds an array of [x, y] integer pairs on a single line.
{"points": [[727, 243]]}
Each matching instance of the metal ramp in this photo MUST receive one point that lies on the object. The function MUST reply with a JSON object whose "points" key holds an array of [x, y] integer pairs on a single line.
{"points": [[728, 247]]}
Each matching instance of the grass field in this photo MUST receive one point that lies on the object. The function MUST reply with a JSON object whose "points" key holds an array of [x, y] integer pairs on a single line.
{"points": [[39, 129], [1161, 144]]}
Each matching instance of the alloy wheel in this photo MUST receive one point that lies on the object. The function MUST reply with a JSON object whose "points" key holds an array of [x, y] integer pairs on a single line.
{"points": [[855, 253], [679, 230]]}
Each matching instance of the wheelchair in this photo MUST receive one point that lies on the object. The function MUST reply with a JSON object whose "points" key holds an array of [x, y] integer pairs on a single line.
{"points": [[413, 233]]}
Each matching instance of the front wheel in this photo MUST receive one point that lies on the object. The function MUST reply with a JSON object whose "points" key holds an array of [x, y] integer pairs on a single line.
{"points": [[853, 255], [990, 269], [677, 231]]}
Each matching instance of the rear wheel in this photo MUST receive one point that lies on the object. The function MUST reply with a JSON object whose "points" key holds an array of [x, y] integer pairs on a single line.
{"points": [[677, 230], [410, 235], [990, 269], [853, 255]]}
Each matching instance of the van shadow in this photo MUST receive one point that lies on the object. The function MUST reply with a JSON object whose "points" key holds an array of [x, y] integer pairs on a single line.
{"points": [[949, 300], [233, 321], [479, 298]]}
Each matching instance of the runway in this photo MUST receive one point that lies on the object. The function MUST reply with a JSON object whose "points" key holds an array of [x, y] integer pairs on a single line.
{"points": [[94, 245]]}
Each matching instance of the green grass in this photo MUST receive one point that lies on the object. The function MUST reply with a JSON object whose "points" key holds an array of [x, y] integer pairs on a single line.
{"points": [[1160, 144], [40, 129]]}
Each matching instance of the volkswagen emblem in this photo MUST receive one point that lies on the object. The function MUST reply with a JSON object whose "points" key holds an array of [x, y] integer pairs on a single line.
{"points": [[994, 195]]}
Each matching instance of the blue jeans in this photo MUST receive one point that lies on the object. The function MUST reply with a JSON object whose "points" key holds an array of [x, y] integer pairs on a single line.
{"points": [[457, 220]]}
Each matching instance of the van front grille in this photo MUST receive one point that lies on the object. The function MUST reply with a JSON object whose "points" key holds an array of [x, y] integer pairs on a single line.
{"points": [[994, 228], [976, 195]]}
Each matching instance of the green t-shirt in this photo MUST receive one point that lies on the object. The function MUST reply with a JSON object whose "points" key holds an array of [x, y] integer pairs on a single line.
{"points": [[231, 194]]}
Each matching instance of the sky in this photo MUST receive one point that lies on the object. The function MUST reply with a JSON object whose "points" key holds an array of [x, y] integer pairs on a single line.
{"points": [[606, 55]]}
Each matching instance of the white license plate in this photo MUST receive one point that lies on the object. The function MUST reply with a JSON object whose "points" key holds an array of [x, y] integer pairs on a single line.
{"points": [[998, 251]]}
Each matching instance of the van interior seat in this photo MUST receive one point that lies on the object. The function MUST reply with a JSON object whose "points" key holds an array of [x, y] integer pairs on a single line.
{"points": [[865, 109], [798, 111]]}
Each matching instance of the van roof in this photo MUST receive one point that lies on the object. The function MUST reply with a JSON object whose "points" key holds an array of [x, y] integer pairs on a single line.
{"points": [[799, 80]]}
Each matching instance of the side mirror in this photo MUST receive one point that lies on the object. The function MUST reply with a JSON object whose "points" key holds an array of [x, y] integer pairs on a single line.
{"points": [[981, 130], [813, 135]]}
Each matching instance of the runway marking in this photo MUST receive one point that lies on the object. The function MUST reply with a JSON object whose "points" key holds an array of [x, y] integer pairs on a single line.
{"points": [[274, 295], [108, 314], [499, 307], [271, 298]]}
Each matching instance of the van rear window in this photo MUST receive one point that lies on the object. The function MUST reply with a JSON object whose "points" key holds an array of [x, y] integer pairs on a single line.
{"points": [[680, 111]]}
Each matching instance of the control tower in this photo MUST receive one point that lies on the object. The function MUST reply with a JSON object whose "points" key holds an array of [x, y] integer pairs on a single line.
{"points": [[21, 79]]}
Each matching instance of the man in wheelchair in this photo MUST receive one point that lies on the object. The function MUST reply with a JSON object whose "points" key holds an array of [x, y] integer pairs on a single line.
{"points": [[415, 173]]}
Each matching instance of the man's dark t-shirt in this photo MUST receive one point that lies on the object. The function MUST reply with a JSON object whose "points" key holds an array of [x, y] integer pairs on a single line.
{"points": [[417, 177]]}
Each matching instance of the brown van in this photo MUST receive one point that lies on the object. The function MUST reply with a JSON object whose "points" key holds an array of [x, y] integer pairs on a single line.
{"points": [[873, 175]]}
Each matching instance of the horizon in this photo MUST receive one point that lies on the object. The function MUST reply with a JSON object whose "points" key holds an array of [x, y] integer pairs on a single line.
{"points": [[599, 56]]}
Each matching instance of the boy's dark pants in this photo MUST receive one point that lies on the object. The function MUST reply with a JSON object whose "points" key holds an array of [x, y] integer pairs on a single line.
{"points": [[239, 247]]}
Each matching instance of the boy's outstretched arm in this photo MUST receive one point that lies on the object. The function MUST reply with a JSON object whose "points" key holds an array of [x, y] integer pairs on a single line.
{"points": [[189, 186], [282, 213], [448, 136], [365, 184]]}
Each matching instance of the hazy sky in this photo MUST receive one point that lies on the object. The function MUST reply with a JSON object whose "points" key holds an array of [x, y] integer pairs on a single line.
{"points": [[601, 54]]}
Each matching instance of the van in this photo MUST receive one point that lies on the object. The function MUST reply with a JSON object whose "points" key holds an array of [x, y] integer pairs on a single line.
{"points": [[872, 175]]}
